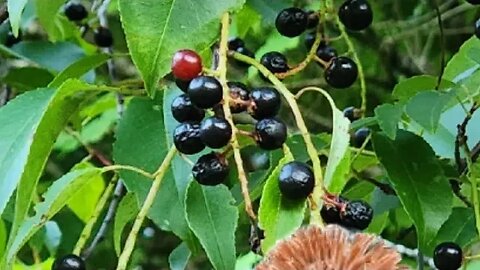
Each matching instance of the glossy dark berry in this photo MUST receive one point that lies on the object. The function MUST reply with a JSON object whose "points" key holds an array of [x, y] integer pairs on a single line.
{"points": [[477, 28], [357, 214], [309, 40], [341, 73], [215, 132], [235, 43], [291, 22], [69, 262], [351, 113], [75, 11], [360, 136], [266, 102], [205, 91], [182, 85], [312, 19], [330, 212], [275, 62], [186, 65], [11, 40], [211, 169], [103, 37], [356, 15], [184, 111], [474, 2], [448, 256], [326, 52], [270, 133], [239, 95], [186, 138], [296, 180]]}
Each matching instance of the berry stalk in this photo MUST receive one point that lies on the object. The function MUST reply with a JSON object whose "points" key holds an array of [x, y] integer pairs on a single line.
{"points": [[222, 69], [312, 152], [147, 204]]}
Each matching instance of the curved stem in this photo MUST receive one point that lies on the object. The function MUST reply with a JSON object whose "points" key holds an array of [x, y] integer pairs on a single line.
{"points": [[222, 69], [152, 193], [87, 230], [128, 168], [312, 152]]}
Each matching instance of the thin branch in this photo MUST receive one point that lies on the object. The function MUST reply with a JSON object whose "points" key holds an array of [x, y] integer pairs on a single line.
{"points": [[412, 253], [461, 139], [455, 185], [442, 44], [386, 188], [5, 95]]}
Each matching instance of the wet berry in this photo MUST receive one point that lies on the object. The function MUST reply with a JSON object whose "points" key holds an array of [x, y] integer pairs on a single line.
{"points": [[103, 37], [275, 62], [215, 132], [312, 19], [296, 180], [360, 136], [11, 40], [351, 113], [239, 97], [184, 111], [186, 65], [326, 52], [205, 91], [270, 133], [356, 15], [69, 262], [291, 22], [448, 256], [235, 43], [356, 214], [186, 138], [330, 212], [182, 85], [75, 11], [265, 102], [309, 40], [342, 72], [211, 169]]}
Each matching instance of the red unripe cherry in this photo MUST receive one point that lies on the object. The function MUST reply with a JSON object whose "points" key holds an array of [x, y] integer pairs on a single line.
{"points": [[186, 65]]}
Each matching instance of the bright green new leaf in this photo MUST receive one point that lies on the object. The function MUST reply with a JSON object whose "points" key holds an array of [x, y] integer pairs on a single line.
{"points": [[15, 10], [213, 218], [57, 27], [156, 29], [388, 116], [126, 212], [419, 181]]}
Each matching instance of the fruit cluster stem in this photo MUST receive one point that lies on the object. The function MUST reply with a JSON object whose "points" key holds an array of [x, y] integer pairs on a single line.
{"points": [[312, 152], [222, 69], [147, 204], [87, 230]]}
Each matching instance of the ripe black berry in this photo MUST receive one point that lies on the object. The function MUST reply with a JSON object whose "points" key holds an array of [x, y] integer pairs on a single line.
{"points": [[341, 73], [103, 37], [239, 97], [291, 22], [182, 85], [313, 19], [235, 43], [186, 65], [296, 180], [211, 169], [360, 137], [205, 91], [474, 2], [309, 40], [326, 52], [69, 262], [270, 133], [183, 110], [186, 138], [477, 28], [448, 256], [275, 62], [330, 212], [266, 102], [215, 132], [356, 15], [11, 40], [75, 11], [357, 214], [351, 114]]}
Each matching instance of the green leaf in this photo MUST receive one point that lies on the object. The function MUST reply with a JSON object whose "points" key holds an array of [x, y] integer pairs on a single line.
{"points": [[388, 116], [155, 31], [56, 197], [418, 179], [80, 67], [278, 216], [15, 10], [459, 228], [141, 143], [37, 78], [426, 108], [126, 212], [410, 87], [179, 257], [461, 65], [3, 236], [213, 218], [56, 26]]}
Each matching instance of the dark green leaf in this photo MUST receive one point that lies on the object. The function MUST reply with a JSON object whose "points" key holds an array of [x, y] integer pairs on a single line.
{"points": [[426, 108], [459, 228], [213, 218], [388, 117], [37, 78], [126, 212], [408, 88], [418, 179]]}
